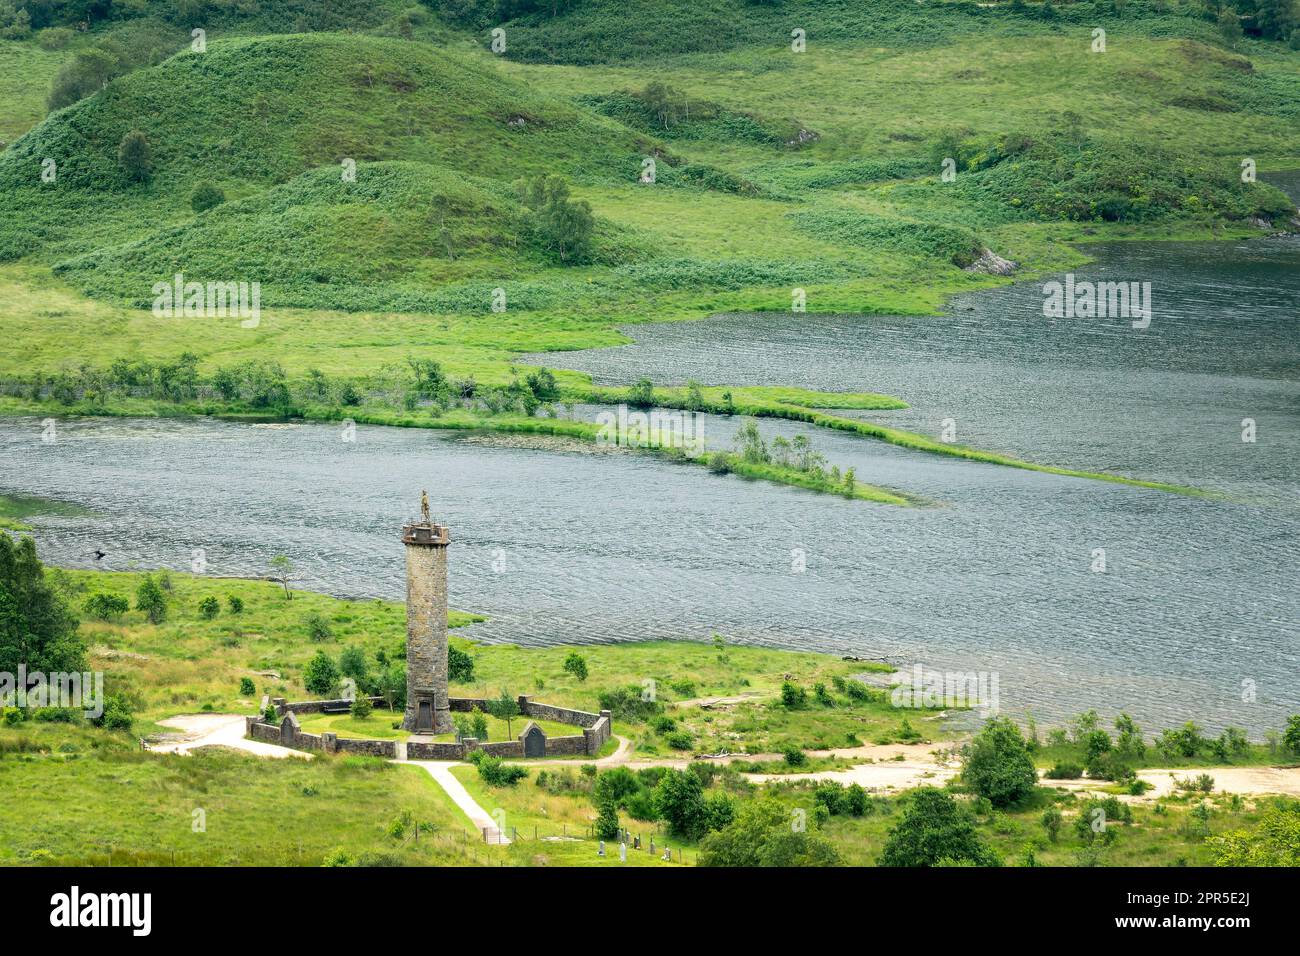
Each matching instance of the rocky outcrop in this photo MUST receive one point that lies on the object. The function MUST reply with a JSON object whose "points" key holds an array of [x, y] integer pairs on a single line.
{"points": [[990, 263]]}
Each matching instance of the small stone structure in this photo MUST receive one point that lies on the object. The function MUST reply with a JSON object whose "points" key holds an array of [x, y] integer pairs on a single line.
{"points": [[428, 706]]}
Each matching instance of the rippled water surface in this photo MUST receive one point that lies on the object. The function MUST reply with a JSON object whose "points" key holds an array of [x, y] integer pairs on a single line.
{"points": [[1199, 594]]}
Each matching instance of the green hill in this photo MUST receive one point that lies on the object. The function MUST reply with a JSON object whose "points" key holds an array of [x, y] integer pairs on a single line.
{"points": [[249, 113], [402, 237]]}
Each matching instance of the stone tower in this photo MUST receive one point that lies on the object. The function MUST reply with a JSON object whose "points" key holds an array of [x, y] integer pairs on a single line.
{"points": [[427, 709]]}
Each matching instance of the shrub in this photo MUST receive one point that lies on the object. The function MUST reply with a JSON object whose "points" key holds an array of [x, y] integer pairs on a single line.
{"points": [[629, 703], [1110, 766], [576, 664], [794, 757], [318, 629], [460, 665], [117, 714], [1052, 823], [209, 608], [106, 607], [497, 773], [206, 196], [235, 603], [1291, 736], [247, 687], [135, 156], [760, 834], [607, 821], [1065, 771], [997, 764], [792, 695], [149, 598], [361, 707], [933, 831], [678, 740], [55, 38], [321, 676]]}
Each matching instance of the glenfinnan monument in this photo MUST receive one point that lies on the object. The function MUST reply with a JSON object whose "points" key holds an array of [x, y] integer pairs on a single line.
{"points": [[427, 709]]}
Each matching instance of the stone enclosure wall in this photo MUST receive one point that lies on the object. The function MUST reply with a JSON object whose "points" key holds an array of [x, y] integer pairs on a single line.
{"points": [[596, 731]]}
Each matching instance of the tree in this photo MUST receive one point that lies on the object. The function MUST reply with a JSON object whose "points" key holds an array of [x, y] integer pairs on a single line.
{"points": [[86, 73], [135, 156], [149, 598], [206, 196], [352, 663], [105, 607], [1276, 18], [565, 228], [997, 764], [320, 675], [36, 626], [1291, 737], [934, 831], [281, 569], [361, 707], [764, 833], [1275, 841], [391, 685], [505, 708], [1229, 26], [576, 664], [679, 802], [607, 820]]}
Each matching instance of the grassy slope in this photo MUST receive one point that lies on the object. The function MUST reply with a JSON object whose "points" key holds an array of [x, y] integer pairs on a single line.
{"points": [[882, 100], [259, 812], [189, 664]]}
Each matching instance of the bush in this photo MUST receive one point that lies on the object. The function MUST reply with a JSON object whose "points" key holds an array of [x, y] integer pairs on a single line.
{"points": [[209, 608], [246, 687], [106, 607], [576, 664], [792, 695], [935, 831], [663, 725], [1065, 771], [149, 598], [206, 196], [679, 740], [496, 772], [361, 707], [117, 714], [135, 156], [318, 629], [607, 821], [1110, 766], [55, 38], [629, 703], [997, 764], [761, 835], [235, 603], [794, 757], [320, 676], [460, 665]]}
